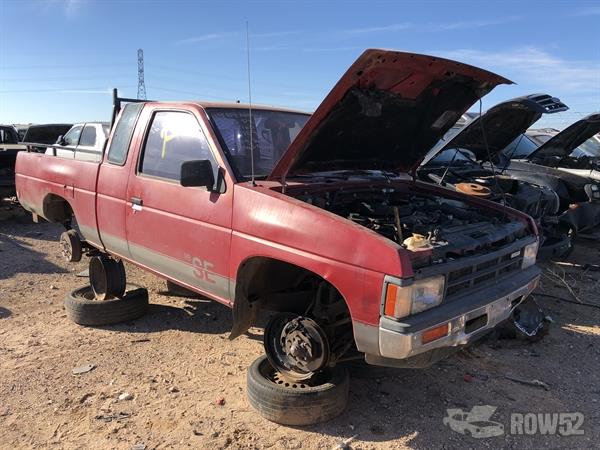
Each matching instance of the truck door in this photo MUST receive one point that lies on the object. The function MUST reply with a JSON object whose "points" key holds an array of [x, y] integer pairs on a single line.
{"points": [[183, 233], [111, 192]]}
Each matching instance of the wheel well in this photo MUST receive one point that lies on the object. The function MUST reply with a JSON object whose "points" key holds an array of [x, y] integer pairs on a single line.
{"points": [[57, 209], [269, 284]]}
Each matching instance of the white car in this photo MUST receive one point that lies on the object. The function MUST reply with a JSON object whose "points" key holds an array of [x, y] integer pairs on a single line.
{"points": [[83, 141]]}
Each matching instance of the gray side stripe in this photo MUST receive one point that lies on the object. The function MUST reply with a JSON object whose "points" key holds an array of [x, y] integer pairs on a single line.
{"points": [[195, 273]]}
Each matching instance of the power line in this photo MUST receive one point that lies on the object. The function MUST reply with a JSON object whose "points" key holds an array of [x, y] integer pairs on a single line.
{"points": [[61, 90], [63, 66], [141, 94]]}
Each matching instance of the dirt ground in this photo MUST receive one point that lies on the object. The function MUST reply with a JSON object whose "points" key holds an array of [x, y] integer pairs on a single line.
{"points": [[179, 366]]}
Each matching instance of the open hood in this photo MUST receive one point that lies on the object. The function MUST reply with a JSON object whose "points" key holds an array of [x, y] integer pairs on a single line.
{"points": [[385, 113], [569, 139], [500, 125]]}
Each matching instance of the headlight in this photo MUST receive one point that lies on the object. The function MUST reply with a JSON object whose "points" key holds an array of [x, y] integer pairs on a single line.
{"points": [[529, 255], [592, 191], [402, 301]]}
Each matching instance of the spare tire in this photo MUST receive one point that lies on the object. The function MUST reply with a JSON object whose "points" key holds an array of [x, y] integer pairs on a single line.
{"points": [[107, 277], [297, 402], [83, 309]]}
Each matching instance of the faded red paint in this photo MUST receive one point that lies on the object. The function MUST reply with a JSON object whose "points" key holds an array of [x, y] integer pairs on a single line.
{"points": [[199, 239], [405, 73]]}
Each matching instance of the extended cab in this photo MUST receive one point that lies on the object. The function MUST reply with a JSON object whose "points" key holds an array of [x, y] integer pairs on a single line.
{"points": [[317, 217]]}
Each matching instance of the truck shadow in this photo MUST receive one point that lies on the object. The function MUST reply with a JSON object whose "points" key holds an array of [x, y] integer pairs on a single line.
{"points": [[197, 316], [18, 256], [11, 211]]}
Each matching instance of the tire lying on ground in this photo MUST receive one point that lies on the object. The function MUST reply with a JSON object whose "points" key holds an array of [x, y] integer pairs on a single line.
{"points": [[83, 309], [297, 403]]}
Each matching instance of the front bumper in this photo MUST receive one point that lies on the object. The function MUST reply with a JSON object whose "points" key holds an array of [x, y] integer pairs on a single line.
{"points": [[469, 318], [582, 217], [555, 249]]}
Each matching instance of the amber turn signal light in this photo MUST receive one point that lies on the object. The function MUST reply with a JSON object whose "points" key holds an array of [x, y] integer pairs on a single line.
{"points": [[434, 333]]}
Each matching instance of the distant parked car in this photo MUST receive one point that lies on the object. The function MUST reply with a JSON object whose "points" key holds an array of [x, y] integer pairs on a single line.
{"points": [[83, 141], [9, 147], [461, 162], [540, 136], [575, 150], [45, 134]]}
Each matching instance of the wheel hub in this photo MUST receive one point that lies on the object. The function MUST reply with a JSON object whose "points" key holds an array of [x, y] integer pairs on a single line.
{"points": [[296, 346], [66, 249]]}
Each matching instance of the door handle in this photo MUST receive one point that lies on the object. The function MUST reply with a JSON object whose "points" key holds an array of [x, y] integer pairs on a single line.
{"points": [[136, 201]]}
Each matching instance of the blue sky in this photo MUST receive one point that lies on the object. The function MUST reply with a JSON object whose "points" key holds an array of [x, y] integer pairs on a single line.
{"points": [[60, 58]]}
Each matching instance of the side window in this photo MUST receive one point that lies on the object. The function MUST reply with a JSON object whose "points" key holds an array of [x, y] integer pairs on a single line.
{"points": [[174, 137], [72, 137], [88, 136], [119, 146]]}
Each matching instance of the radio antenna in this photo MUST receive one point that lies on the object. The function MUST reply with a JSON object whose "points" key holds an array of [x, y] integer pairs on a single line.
{"points": [[250, 107]]}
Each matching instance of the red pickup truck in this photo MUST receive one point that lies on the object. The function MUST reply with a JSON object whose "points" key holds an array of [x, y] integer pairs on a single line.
{"points": [[317, 218]]}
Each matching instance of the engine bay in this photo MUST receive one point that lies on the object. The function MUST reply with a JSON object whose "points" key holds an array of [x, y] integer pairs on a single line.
{"points": [[434, 228], [534, 200]]}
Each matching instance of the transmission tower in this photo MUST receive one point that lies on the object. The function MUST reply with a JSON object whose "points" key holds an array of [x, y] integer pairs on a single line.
{"points": [[141, 95]]}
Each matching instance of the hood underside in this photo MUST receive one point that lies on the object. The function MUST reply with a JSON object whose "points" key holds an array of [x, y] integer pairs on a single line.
{"points": [[570, 138], [490, 133], [385, 113]]}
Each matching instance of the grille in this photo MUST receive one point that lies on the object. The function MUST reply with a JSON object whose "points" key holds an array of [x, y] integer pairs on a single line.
{"points": [[469, 278]]}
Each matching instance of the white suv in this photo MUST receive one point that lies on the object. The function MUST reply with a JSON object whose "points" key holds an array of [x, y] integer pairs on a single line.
{"points": [[83, 141]]}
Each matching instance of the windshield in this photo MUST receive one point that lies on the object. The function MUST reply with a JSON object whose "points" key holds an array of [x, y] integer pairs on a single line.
{"points": [[272, 133], [521, 147], [590, 148], [451, 155], [541, 138]]}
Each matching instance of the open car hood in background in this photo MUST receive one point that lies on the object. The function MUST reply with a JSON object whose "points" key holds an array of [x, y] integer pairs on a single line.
{"points": [[385, 113], [46, 134], [500, 125], [570, 138]]}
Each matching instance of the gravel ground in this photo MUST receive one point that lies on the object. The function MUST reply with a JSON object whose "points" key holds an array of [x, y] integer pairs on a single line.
{"points": [[187, 382]]}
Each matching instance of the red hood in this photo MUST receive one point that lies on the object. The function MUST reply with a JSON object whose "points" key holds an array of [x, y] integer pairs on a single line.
{"points": [[385, 113]]}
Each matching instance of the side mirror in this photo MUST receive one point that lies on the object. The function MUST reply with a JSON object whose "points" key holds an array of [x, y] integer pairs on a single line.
{"points": [[197, 173], [60, 140]]}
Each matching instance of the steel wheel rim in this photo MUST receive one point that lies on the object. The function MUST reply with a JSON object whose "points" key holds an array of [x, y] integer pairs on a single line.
{"points": [[296, 346], [98, 278]]}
